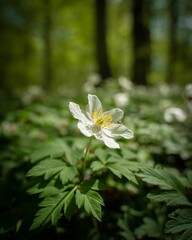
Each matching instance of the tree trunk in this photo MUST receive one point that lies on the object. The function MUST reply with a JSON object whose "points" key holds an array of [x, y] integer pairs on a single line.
{"points": [[141, 41], [172, 42], [48, 71], [101, 45]]}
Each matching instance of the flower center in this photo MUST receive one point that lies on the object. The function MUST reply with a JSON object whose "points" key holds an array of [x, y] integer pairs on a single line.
{"points": [[101, 119]]}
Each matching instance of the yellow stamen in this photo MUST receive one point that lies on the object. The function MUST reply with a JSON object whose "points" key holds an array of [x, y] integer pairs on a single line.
{"points": [[101, 119]]}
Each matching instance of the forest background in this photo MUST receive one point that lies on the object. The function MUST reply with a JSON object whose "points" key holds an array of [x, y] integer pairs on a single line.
{"points": [[61, 43]]}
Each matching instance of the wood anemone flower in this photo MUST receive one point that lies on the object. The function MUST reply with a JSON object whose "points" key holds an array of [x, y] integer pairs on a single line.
{"points": [[104, 126]]}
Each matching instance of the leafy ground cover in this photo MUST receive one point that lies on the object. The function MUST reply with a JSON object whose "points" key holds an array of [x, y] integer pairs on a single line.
{"points": [[141, 191]]}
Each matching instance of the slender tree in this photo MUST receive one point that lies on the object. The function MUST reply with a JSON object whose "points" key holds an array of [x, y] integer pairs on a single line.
{"points": [[16, 31], [48, 70], [141, 41], [172, 41], [101, 46], [183, 68]]}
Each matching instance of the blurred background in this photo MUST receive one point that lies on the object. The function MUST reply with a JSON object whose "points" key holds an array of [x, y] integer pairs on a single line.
{"points": [[62, 43]]}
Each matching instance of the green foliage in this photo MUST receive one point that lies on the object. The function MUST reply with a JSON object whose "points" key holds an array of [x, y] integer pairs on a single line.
{"points": [[91, 201], [54, 148], [50, 210], [41, 171], [65, 169], [150, 228], [181, 222], [167, 179], [174, 191], [171, 198], [54, 168], [119, 167]]}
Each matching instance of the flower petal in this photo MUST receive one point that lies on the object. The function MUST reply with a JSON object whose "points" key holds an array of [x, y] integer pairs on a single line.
{"points": [[77, 113], [94, 104], [110, 142], [84, 129], [116, 113], [116, 130]]}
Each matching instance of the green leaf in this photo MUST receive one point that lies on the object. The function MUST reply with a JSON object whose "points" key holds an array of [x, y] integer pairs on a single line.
{"points": [[90, 200], [49, 149], [93, 184], [51, 208], [166, 179], [55, 149], [121, 168], [69, 204], [150, 228], [130, 164], [189, 176], [46, 187], [171, 198], [187, 235], [50, 211], [101, 154], [96, 166], [68, 174], [181, 221], [125, 231], [51, 167]]}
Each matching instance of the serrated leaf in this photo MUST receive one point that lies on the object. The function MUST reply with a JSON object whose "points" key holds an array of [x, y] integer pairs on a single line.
{"points": [[125, 232], [181, 221], [69, 204], [129, 154], [96, 166], [164, 178], [68, 174], [101, 154], [49, 149], [129, 164], [171, 198], [46, 188], [149, 228], [79, 198], [187, 235], [189, 176], [121, 170], [50, 211], [51, 167], [93, 184], [51, 208], [91, 201]]}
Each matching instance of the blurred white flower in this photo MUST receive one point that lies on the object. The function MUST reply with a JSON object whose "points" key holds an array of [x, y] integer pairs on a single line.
{"points": [[175, 114], [188, 96], [121, 99], [91, 82], [104, 126], [31, 94], [164, 89], [125, 83], [188, 91], [9, 128]]}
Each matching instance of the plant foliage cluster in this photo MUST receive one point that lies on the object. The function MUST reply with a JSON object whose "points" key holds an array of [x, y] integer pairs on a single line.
{"points": [[141, 191]]}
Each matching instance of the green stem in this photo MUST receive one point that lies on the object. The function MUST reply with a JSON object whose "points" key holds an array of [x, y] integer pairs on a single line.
{"points": [[85, 156]]}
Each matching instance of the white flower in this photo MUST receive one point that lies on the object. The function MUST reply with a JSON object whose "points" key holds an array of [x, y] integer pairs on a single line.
{"points": [[104, 126], [125, 83], [174, 114], [91, 82], [188, 91], [188, 96], [121, 99]]}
